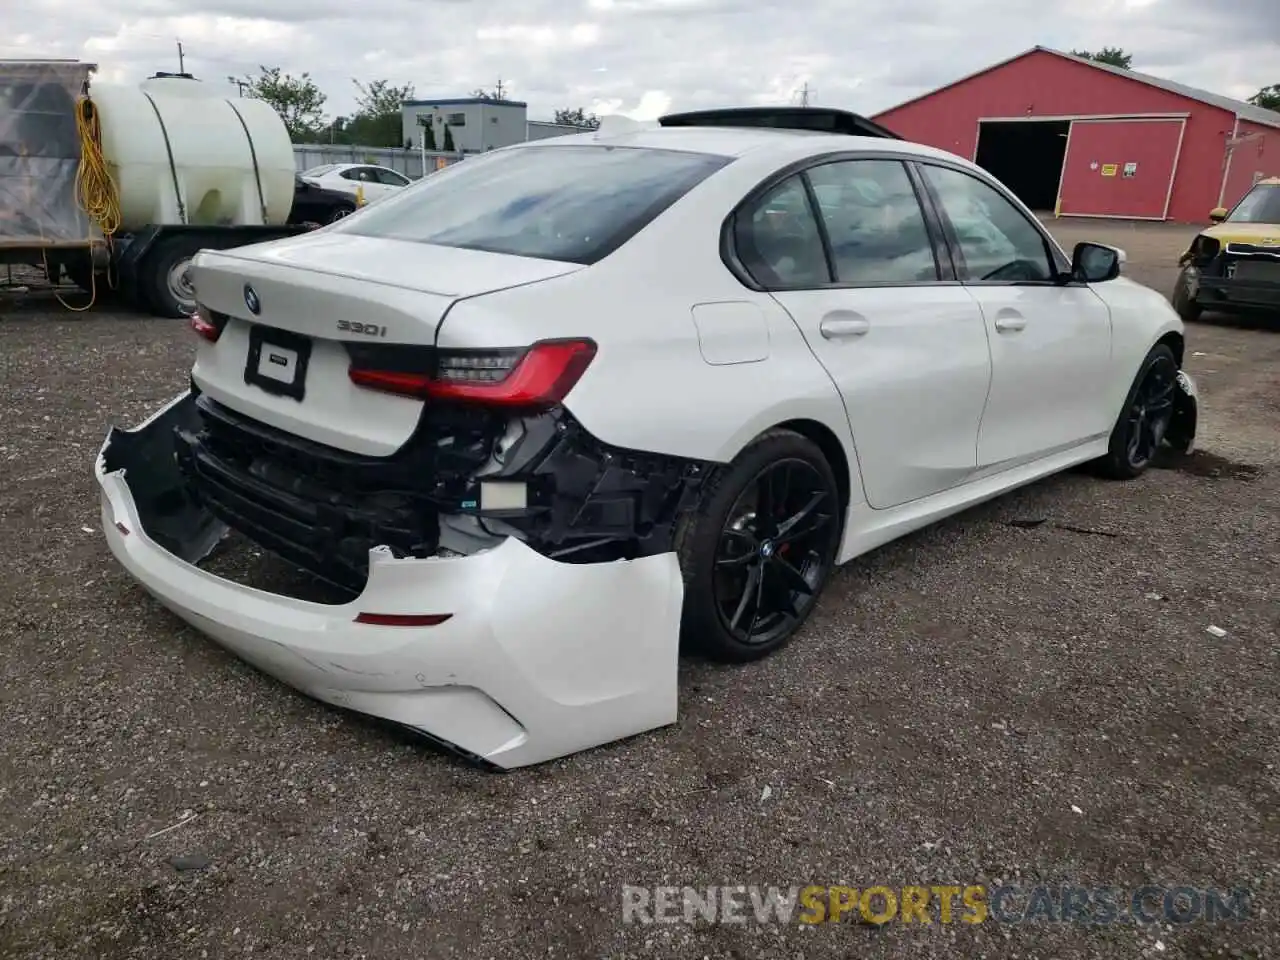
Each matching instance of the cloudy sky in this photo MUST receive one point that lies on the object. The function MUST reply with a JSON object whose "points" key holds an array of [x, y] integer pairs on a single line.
{"points": [[641, 57]]}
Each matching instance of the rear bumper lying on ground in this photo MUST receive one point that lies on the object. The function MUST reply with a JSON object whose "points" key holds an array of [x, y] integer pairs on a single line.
{"points": [[536, 659]]}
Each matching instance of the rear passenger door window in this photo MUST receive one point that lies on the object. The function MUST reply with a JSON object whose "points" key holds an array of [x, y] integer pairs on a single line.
{"points": [[777, 240], [997, 242], [389, 178], [874, 223]]}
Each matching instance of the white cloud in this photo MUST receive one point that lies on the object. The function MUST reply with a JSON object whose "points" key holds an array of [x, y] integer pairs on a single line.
{"points": [[643, 57]]}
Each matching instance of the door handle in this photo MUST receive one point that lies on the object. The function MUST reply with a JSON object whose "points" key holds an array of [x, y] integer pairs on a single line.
{"points": [[1009, 321], [835, 326]]}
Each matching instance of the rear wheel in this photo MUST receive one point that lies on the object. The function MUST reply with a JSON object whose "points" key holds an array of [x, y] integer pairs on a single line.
{"points": [[1145, 419], [165, 280], [760, 548], [1184, 299], [340, 212]]}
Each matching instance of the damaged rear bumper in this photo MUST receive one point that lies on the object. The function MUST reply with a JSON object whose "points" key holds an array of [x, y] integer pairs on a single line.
{"points": [[534, 659]]}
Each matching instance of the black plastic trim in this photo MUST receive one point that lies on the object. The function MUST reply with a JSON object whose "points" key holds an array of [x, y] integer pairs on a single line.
{"points": [[808, 119], [820, 222], [942, 254]]}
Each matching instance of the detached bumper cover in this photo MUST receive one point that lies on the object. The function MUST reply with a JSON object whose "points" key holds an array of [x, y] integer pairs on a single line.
{"points": [[539, 659], [1186, 415]]}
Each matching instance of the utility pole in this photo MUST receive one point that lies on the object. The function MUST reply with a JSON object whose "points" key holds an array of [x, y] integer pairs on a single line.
{"points": [[804, 95], [240, 84], [182, 63], [499, 91]]}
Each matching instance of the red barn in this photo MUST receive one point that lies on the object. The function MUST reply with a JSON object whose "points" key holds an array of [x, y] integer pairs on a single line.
{"points": [[1086, 139]]}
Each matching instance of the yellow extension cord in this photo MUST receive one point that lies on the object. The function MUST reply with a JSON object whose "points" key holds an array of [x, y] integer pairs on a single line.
{"points": [[96, 192]]}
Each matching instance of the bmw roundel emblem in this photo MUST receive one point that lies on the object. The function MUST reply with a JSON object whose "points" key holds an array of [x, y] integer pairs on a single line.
{"points": [[251, 300]]}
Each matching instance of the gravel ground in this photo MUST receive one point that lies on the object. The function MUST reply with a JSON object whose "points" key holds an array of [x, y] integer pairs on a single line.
{"points": [[987, 700]]}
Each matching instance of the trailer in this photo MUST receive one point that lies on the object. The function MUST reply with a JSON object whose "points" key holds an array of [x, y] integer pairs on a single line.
{"points": [[116, 187]]}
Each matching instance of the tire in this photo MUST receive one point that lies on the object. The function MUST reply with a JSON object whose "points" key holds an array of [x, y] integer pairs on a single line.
{"points": [[340, 212], [1144, 409], [726, 551], [79, 270], [1184, 304], [160, 282]]}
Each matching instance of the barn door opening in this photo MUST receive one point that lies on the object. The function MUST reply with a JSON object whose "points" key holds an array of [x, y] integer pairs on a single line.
{"points": [[1026, 156], [1121, 168]]}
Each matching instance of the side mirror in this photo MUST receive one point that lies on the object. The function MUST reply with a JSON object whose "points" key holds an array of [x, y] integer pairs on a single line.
{"points": [[1218, 214], [1095, 262]]}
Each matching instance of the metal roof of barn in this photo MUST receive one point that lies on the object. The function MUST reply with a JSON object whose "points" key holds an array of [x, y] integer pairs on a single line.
{"points": [[1241, 109]]}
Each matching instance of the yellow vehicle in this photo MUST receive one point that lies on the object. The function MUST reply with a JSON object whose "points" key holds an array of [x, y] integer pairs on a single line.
{"points": [[1235, 264]]}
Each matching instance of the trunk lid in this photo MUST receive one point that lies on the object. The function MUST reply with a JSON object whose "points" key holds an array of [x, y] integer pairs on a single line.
{"points": [[289, 310]]}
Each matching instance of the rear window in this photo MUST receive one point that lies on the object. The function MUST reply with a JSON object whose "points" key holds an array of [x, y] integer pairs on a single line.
{"points": [[575, 204]]}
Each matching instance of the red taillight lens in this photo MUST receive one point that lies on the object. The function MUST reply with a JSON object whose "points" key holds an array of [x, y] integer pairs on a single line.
{"points": [[208, 324], [403, 619], [541, 375]]}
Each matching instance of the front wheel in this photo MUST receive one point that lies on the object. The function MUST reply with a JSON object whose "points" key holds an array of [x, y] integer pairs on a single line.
{"points": [[759, 549], [1144, 421]]}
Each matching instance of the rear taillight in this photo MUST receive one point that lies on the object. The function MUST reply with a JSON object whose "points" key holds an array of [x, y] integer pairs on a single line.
{"points": [[540, 375], [208, 324]]}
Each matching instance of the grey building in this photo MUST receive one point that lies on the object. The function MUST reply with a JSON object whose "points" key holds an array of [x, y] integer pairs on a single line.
{"points": [[476, 124]]}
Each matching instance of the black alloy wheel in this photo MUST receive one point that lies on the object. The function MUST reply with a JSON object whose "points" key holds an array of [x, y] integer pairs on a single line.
{"points": [[1147, 415], [1151, 411], [764, 547]]}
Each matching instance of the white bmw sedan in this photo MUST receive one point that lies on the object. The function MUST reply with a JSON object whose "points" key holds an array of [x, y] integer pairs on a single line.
{"points": [[544, 415]]}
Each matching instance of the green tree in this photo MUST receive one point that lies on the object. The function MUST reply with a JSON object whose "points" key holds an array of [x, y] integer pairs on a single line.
{"points": [[577, 117], [377, 120], [1112, 56], [297, 99], [428, 132], [1268, 98], [448, 146]]}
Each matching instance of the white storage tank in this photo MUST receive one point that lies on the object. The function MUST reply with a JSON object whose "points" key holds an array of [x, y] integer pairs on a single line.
{"points": [[181, 152]]}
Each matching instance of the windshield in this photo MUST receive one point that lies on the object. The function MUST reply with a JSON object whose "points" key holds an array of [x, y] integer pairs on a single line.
{"points": [[570, 203], [319, 171], [1260, 205]]}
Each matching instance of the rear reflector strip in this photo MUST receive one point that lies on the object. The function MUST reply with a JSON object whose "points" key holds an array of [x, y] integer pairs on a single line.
{"points": [[403, 619]]}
